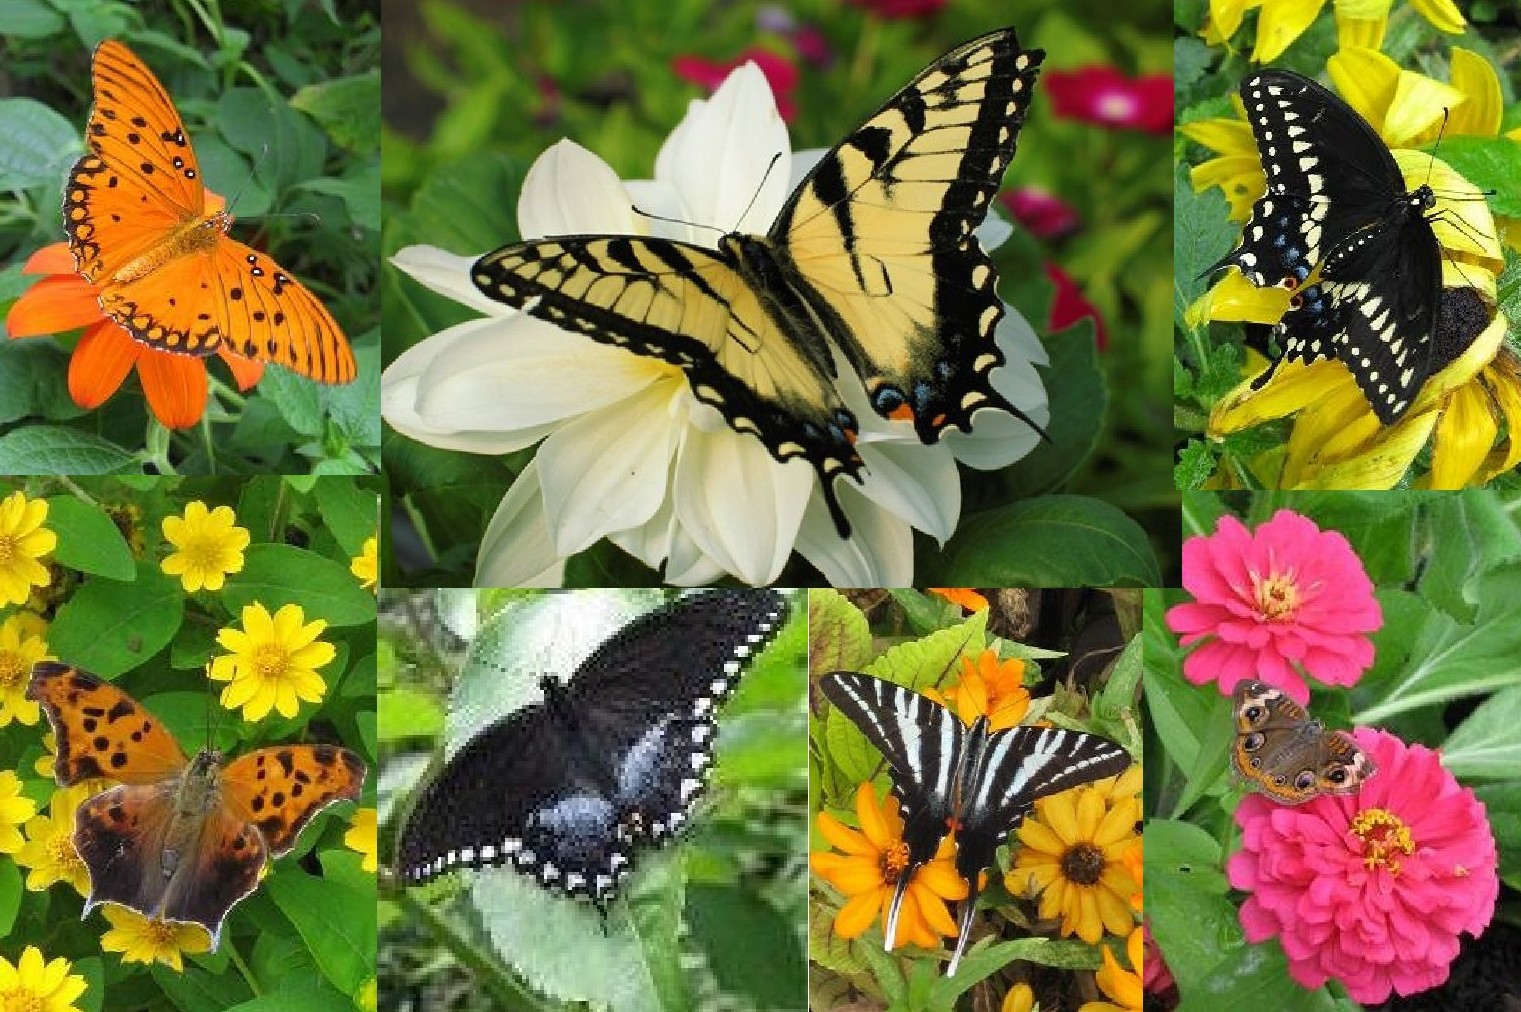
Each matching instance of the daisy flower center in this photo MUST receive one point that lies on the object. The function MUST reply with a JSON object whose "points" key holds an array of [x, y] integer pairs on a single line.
{"points": [[1277, 595], [7, 549], [21, 1001], [1083, 864], [161, 934], [1385, 839], [12, 668], [61, 850], [893, 861], [204, 552], [271, 660]]}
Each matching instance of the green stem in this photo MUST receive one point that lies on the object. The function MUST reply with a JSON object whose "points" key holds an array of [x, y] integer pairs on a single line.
{"points": [[243, 968]]}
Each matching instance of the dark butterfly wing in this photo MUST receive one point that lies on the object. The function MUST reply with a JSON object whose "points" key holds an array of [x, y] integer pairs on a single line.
{"points": [[568, 788]]}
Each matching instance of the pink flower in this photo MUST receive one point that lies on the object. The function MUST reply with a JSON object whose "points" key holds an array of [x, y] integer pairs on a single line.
{"points": [[1156, 977], [1071, 305], [709, 74], [1045, 214], [1105, 96], [900, 8], [1287, 597], [1370, 889]]}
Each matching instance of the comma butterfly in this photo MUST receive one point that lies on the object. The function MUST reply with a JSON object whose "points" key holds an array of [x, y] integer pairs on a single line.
{"points": [[142, 230], [180, 839], [1284, 753]]}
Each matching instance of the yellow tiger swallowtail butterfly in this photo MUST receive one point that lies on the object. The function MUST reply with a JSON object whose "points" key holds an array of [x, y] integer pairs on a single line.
{"points": [[873, 254]]}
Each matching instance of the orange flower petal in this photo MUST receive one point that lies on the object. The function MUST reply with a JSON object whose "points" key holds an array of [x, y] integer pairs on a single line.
{"points": [[941, 879], [245, 371], [856, 915], [843, 837], [932, 909], [54, 258], [53, 305], [176, 386], [875, 823], [101, 360]]}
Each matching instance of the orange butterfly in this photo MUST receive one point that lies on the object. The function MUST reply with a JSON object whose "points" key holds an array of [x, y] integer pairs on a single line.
{"points": [[140, 228], [181, 839]]}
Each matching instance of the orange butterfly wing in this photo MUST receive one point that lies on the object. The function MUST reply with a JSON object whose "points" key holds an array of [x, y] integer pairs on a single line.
{"points": [[280, 788], [141, 230], [101, 731]]}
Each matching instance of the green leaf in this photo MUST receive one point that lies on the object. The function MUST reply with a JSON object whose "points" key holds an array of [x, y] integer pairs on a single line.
{"points": [[982, 961], [336, 922], [88, 540], [298, 996], [1079, 401], [30, 19], [1490, 163], [408, 714], [1051, 541], [48, 449], [350, 512], [1201, 235], [11, 892], [1251, 977], [110, 626], [1186, 902], [299, 400], [39, 147], [838, 636], [1488, 743], [276, 575], [348, 108], [359, 191], [750, 947]]}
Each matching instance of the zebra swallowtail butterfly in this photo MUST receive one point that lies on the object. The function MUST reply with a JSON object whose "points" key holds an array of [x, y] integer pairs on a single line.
{"points": [[946, 773], [567, 789]]}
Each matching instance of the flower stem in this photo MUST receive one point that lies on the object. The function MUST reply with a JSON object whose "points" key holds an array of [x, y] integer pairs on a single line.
{"points": [[243, 968]]}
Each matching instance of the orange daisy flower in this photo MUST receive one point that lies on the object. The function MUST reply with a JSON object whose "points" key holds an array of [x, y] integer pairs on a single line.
{"points": [[988, 686], [175, 385], [874, 858]]}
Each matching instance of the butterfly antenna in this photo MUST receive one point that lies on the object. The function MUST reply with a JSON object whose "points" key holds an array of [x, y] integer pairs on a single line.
{"points": [[675, 221]]}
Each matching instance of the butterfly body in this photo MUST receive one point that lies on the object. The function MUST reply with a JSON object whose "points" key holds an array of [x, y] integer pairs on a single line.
{"points": [[180, 839], [1337, 201], [1287, 755], [873, 256], [568, 789], [144, 230]]}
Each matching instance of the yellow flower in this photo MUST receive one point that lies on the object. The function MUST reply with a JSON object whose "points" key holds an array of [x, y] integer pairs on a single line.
{"points": [[208, 544], [368, 996], [1358, 22], [1134, 861], [49, 849], [14, 811], [23, 541], [142, 939], [1072, 853], [990, 687], [274, 662], [1122, 986], [874, 858], [19, 650], [34, 984], [46, 764], [1019, 999], [366, 566], [965, 597], [361, 837], [1126, 785]]}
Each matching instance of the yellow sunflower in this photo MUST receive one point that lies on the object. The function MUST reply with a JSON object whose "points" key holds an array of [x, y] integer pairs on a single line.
{"points": [[15, 810], [273, 662], [142, 939], [20, 648], [988, 687], [208, 546], [361, 837], [1123, 987], [48, 854], [23, 542], [874, 858], [366, 565], [36, 984], [1358, 22]]}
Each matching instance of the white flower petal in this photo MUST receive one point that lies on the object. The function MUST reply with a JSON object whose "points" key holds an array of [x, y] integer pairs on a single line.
{"points": [[915, 482], [607, 470], [994, 231], [660, 201], [997, 438], [880, 552], [570, 191], [448, 274], [516, 550]]}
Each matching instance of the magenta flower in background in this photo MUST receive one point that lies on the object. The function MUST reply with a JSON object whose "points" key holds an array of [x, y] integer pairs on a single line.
{"points": [[1156, 978], [1071, 305], [1371, 889], [1272, 602], [900, 8], [1042, 212], [780, 74], [1107, 97]]}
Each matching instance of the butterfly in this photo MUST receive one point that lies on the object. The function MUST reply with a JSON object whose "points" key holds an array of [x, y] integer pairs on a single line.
{"points": [[1283, 753], [144, 230], [611, 760], [946, 775], [180, 839], [873, 255], [1336, 200]]}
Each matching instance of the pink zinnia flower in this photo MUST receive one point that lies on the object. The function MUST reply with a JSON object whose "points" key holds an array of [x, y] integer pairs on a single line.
{"points": [[1370, 889], [900, 8], [1156, 977], [1105, 96], [1045, 214], [709, 74], [1286, 595], [1071, 305]]}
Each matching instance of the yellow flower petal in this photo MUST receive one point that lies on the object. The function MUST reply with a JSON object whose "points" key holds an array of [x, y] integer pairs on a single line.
{"points": [[1475, 77], [1280, 23]]}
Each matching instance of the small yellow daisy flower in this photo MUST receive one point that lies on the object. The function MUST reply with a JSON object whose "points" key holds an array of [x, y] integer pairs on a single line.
{"points": [[142, 939], [209, 546], [47, 764], [1019, 999], [14, 811], [361, 837], [274, 662], [34, 984], [19, 650], [1123, 987], [1358, 22], [49, 853], [366, 565], [23, 542]]}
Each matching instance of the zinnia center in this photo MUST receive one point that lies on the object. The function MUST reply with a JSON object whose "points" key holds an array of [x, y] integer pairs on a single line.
{"points": [[1385, 839], [270, 660], [1083, 864], [1277, 596], [893, 860]]}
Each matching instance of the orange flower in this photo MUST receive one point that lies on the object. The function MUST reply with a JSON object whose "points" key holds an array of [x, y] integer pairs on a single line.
{"points": [[990, 687], [176, 385], [875, 856], [967, 598]]}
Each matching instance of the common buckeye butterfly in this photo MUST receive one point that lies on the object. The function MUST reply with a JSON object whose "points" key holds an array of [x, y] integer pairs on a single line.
{"points": [[1284, 753]]}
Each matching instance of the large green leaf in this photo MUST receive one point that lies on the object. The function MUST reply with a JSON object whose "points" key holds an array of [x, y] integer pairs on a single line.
{"points": [[88, 540], [110, 626], [275, 575]]}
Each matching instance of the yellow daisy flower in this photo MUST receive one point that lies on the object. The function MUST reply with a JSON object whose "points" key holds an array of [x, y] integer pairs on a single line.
{"points": [[47, 763], [1358, 22], [142, 939], [1072, 853], [19, 650], [49, 853], [1122, 986], [208, 544], [15, 810], [361, 837], [34, 984], [366, 565], [274, 661], [1134, 861], [23, 541], [1019, 999], [988, 686]]}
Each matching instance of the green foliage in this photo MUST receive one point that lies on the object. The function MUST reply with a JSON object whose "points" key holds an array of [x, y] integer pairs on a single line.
{"points": [[305, 938], [282, 111]]}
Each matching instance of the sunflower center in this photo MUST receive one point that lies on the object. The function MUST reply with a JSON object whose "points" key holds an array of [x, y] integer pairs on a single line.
{"points": [[1276, 595], [17, 1000], [12, 667], [1385, 839], [893, 861], [7, 549], [1083, 864], [61, 850], [161, 934], [204, 552], [271, 660]]}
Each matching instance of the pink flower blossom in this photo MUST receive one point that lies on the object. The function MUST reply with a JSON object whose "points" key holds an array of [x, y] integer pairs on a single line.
{"points": [[1071, 305], [1269, 603], [900, 8], [1370, 889], [780, 74], [1045, 214], [1156, 977], [1105, 96]]}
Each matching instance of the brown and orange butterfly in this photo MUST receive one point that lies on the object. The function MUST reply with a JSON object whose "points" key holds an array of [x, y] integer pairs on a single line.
{"points": [[180, 839], [144, 229]]}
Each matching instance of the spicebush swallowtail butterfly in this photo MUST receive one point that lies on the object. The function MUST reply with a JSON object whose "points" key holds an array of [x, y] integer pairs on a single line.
{"points": [[613, 759], [945, 773], [873, 253], [1336, 199]]}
